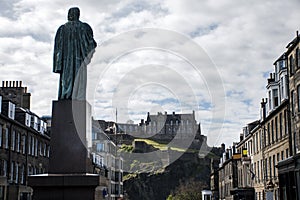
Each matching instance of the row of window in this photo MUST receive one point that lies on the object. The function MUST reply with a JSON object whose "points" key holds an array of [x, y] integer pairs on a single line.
{"points": [[274, 131], [267, 170], [116, 189], [17, 142], [276, 128], [17, 171], [225, 190], [267, 194]]}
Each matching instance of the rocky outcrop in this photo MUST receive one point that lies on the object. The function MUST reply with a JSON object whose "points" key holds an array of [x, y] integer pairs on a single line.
{"points": [[158, 186]]}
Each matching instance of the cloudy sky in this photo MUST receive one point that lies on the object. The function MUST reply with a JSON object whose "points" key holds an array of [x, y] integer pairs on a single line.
{"points": [[227, 49]]}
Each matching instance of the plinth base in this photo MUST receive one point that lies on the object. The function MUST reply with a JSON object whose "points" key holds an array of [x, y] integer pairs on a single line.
{"points": [[71, 123], [65, 187]]}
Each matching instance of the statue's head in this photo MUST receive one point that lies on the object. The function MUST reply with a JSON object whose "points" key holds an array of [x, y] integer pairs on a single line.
{"points": [[73, 14]]}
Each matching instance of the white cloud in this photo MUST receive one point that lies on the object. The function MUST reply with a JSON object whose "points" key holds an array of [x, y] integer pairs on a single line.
{"points": [[242, 38]]}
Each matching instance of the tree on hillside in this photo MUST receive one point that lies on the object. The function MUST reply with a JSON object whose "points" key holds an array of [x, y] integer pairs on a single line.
{"points": [[190, 190]]}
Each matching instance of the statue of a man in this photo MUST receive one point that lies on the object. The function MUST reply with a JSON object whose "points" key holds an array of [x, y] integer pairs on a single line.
{"points": [[73, 49]]}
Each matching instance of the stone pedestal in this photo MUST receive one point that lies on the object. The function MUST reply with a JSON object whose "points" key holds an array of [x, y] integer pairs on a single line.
{"points": [[65, 187], [70, 167], [71, 122]]}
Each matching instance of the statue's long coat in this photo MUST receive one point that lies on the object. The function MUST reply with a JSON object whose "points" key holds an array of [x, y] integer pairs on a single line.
{"points": [[73, 49]]}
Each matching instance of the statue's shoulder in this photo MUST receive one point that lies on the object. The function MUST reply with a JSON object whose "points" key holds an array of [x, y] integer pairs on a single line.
{"points": [[60, 31], [61, 28], [86, 26]]}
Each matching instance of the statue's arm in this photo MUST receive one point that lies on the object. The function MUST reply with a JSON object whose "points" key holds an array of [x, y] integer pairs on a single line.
{"points": [[58, 51], [90, 34]]}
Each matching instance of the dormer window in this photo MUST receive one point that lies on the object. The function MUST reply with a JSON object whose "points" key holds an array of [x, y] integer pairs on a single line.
{"points": [[27, 119], [270, 104], [281, 64], [275, 97], [11, 110]]}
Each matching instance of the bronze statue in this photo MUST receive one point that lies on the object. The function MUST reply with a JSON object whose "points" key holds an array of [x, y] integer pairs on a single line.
{"points": [[73, 50]]}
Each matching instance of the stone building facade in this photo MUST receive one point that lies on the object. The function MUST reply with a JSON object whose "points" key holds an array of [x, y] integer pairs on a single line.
{"points": [[289, 174], [24, 143], [266, 165], [107, 160]]}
